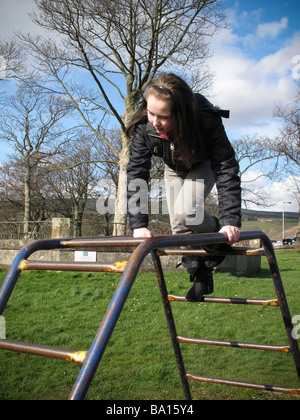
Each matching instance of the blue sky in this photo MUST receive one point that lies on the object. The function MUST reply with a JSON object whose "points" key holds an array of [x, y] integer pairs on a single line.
{"points": [[254, 63], [250, 16]]}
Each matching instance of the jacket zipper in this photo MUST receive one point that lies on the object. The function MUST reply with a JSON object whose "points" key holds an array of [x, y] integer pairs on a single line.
{"points": [[172, 148]]}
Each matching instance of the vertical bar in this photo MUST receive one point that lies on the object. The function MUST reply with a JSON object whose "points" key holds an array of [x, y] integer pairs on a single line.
{"points": [[282, 301], [8, 285], [105, 331], [14, 272], [171, 324]]}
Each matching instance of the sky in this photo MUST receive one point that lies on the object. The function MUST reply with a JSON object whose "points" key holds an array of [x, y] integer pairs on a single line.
{"points": [[256, 63]]}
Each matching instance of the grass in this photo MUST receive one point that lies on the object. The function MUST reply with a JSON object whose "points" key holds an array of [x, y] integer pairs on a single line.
{"points": [[65, 310]]}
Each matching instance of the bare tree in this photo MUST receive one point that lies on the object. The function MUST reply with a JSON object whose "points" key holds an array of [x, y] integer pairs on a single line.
{"points": [[75, 180], [12, 175], [254, 153], [11, 60], [295, 190], [287, 143], [105, 53], [30, 122]]}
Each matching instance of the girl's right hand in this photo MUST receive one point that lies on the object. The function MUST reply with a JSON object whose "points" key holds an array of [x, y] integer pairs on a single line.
{"points": [[142, 233]]}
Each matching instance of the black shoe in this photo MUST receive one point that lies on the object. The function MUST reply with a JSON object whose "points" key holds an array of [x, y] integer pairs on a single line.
{"points": [[203, 285]]}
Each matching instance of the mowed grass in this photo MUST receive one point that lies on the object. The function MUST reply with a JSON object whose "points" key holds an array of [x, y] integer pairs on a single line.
{"points": [[66, 309]]}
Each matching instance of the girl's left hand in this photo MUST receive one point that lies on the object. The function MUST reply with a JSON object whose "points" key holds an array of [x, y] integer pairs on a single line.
{"points": [[233, 234]]}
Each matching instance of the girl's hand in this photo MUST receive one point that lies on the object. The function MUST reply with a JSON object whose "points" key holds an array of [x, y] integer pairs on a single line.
{"points": [[142, 233], [233, 234]]}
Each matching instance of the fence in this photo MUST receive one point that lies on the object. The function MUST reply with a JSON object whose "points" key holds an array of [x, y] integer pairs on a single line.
{"points": [[15, 230], [88, 228]]}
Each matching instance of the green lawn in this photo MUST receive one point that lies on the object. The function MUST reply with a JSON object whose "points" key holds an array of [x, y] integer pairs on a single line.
{"points": [[66, 309]]}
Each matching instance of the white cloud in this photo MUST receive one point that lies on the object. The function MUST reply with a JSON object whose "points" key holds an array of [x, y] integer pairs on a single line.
{"points": [[255, 179], [265, 32], [275, 193], [271, 29], [251, 87]]}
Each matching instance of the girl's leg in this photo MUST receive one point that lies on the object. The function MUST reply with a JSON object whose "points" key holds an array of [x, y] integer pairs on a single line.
{"points": [[186, 197]]}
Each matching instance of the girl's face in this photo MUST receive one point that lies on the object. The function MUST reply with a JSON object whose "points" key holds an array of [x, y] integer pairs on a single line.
{"points": [[159, 112]]}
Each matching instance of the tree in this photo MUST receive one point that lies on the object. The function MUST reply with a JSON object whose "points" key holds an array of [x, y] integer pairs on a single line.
{"points": [[287, 143], [104, 54], [73, 183], [12, 175], [11, 60], [30, 122], [295, 190], [253, 153]]}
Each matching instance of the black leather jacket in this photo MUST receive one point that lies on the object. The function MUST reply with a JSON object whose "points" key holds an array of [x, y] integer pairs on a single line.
{"points": [[214, 146]]}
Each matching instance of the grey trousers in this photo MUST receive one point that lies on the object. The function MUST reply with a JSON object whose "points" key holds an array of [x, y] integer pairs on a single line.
{"points": [[186, 197]]}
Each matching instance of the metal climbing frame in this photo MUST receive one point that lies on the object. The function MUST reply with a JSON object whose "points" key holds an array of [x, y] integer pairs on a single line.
{"points": [[157, 246]]}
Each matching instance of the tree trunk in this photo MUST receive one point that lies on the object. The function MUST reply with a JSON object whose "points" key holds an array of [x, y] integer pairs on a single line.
{"points": [[27, 202], [120, 217], [79, 224], [77, 221]]}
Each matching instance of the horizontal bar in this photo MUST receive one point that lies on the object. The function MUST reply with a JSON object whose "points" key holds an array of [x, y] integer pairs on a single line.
{"points": [[103, 241], [45, 351], [236, 344], [229, 300], [272, 388], [172, 240], [117, 267], [200, 252]]}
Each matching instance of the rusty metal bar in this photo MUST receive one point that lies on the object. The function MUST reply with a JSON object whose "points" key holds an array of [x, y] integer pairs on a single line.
{"points": [[229, 300], [171, 324], [45, 351], [236, 344], [117, 267], [104, 241], [243, 384], [282, 301], [251, 252], [14, 272]]}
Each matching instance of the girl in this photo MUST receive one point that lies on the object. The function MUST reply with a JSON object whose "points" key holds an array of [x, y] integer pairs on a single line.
{"points": [[186, 131]]}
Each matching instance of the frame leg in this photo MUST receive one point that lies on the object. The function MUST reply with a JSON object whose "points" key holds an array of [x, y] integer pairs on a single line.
{"points": [[282, 301], [171, 325]]}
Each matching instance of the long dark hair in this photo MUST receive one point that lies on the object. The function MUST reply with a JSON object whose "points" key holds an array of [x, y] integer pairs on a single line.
{"points": [[183, 127]]}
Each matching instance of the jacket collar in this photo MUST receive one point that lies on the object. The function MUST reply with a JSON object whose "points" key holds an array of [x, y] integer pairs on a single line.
{"points": [[153, 133]]}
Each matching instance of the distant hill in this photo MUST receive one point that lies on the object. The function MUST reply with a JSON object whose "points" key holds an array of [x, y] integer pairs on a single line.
{"points": [[272, 215]]}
